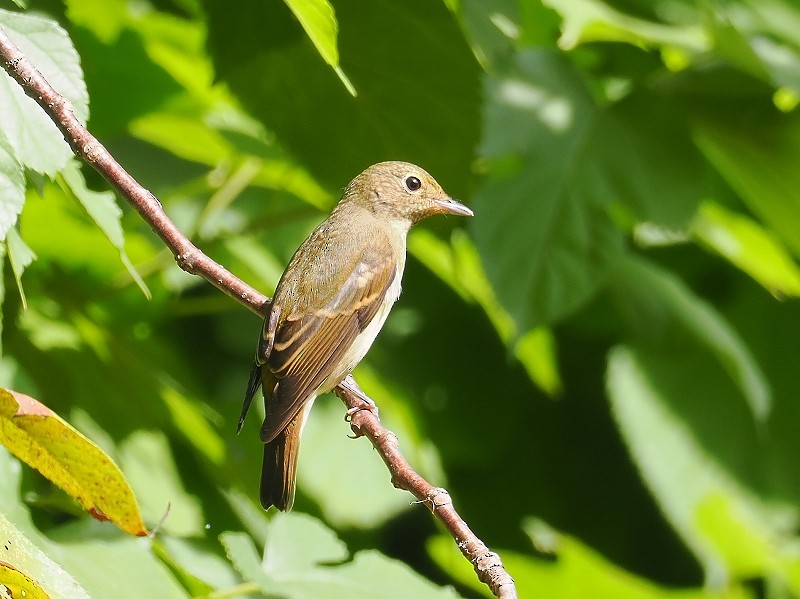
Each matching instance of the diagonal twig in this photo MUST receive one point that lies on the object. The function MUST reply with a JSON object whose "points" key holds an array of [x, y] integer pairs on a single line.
{"points": [[363, 420]]}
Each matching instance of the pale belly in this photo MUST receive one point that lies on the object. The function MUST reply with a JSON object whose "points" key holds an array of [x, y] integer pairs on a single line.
{"points": [[360, 347]]}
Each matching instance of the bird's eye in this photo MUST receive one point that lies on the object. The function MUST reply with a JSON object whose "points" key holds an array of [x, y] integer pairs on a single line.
{"points": [[412, 183]]}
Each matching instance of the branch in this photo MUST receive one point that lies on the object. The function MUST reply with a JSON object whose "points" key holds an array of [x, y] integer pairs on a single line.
{"points": [[365, 422], [364, 419]]}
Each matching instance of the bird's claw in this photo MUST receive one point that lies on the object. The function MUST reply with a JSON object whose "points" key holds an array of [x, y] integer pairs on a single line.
{"points": [[368, 405]]}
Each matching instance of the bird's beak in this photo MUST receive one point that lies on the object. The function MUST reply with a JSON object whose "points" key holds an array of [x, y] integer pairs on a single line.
{"points": [[451, 206]]}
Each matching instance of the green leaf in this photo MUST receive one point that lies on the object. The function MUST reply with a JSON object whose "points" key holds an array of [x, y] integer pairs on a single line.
{"points": [[593, 20], [81, 548], [191, 561], [296, 547], [2, 292], [654, 301], [147, 460], [189, 419], [673, 404], [459, 265], [560, 166], [12, 186], [417, 83], [761, 39], [105, 20], [319, 21], [37, 142], [571, 570], [20, 256], [492, 28], [748, 246], [758, 156], [297, 542], [102, 208], [546, 244], [241, 550]]}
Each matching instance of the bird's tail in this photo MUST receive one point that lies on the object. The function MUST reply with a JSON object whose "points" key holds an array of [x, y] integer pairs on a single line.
{"points": [[278, 474]]}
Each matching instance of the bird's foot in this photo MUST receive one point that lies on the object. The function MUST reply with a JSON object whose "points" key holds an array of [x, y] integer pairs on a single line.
{"points": [[366, 405]]}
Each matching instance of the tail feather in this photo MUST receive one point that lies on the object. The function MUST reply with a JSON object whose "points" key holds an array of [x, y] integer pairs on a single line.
{"points": [[279, 471]]}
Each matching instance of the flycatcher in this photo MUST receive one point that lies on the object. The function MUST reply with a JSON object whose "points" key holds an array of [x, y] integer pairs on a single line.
{"points": [[330, 303]]}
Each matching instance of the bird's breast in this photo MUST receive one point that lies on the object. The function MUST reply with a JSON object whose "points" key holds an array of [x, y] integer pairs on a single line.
{"points": [[364, 340]]}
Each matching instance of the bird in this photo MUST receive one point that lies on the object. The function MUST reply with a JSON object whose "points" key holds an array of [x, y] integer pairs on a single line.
{"points": [[329, 305]]}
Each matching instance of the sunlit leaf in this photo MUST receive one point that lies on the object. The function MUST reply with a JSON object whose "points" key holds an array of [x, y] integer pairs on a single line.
{"points": [[105, 20], [655, 301], [749, 246], [573, 571], [28, 572], [727, 526], [36, 141], [102, 208], [459, 265], [148, 462], [37, 436], [189, 419], [319, 21], [593, 20], [20, 256], [758, 157], [19, 584], [12, 187], [297, 545]]}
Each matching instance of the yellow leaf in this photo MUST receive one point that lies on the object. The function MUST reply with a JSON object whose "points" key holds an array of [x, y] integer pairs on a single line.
{"points": [[20, 584], [40, 438]]}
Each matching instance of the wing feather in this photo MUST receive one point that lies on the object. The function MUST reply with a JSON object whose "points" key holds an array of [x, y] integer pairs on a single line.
{"points": [[309, 347]]}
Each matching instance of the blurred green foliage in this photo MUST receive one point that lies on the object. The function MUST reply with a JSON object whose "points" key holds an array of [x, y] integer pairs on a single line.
{"points": [[610, 348]]}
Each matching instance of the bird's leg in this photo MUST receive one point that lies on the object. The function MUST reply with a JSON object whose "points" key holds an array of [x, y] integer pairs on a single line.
{"points": [[366, 403]]}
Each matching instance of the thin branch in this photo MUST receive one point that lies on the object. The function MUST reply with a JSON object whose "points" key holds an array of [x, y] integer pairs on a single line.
{"points": [[363, 420]]}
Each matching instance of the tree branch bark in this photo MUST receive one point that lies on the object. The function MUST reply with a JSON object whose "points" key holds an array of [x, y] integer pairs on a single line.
{"points": [[364, 420]]}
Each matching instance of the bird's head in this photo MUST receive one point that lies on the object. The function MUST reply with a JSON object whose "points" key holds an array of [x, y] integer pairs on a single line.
{"points": [[401, 191]]}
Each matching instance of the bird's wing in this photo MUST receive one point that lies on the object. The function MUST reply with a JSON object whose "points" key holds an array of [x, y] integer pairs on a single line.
{"points": [[310, 343]]}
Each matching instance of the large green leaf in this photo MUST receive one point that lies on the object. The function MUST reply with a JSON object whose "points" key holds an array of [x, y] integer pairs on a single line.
{"points": [[675, 405], [298, 545], [416, 79], [570, 570], [559, 164], [36, 141], [659, 308]]}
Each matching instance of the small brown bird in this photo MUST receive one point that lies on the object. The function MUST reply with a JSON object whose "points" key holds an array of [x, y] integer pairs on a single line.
{"points": [[330, 303]]}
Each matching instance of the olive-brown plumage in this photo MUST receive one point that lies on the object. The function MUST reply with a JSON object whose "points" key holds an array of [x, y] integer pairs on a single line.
{"points": [[330, 303]]}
